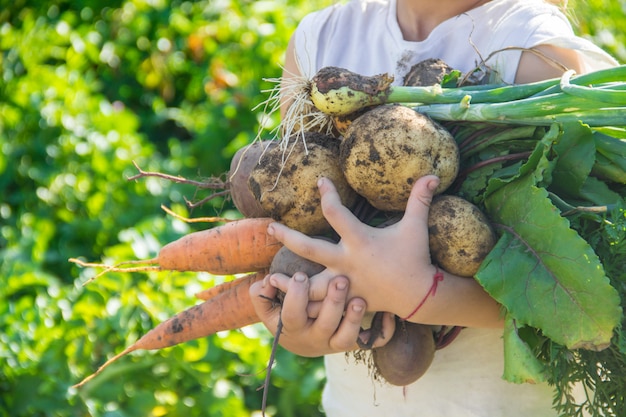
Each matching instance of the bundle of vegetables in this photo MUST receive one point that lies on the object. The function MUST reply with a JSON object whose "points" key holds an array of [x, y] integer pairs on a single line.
{"points": [[547, 163]]}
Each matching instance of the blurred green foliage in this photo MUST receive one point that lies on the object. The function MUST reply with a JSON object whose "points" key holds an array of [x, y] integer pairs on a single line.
{"points": [[86, 88], [601, 21]]}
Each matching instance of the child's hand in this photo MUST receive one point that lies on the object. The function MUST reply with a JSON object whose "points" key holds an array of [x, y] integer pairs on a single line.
{"points": [[389, 267], [315, 328], [382, 263]]}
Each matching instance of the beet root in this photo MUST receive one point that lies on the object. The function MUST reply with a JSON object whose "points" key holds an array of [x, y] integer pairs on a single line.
{"points": [[288, 263], [242, 164], [407, 356]]}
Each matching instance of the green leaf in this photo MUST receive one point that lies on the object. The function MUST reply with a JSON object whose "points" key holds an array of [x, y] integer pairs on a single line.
{"points": [[614, 132], [544, 273], [520, 363], [611, 154], [576, 155], [598, 193], [605, 168], [451, 79], [539, 164]]}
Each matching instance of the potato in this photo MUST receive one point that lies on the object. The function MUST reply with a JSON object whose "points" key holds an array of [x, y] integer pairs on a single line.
{"points": [[388, 148], [407, 356], [460, 235], [285, 182]]}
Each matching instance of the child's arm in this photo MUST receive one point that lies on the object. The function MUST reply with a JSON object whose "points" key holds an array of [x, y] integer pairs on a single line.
{"points": [[546, 62]]}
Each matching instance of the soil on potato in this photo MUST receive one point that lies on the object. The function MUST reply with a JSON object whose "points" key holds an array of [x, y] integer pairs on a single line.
{"points": [[275, 167], [460, 235], [388, 148], [285, 181]]}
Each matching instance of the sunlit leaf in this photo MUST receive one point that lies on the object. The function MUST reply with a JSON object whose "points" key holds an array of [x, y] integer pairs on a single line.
{"points": [[544, 273], [520, 362]]}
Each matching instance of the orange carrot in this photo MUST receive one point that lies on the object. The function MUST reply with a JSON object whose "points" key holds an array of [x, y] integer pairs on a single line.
{"points": [[236, 247], [229, 285], [228, 310]]}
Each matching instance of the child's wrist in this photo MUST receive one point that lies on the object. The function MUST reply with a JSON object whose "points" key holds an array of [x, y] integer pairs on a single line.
{"points": [[427, 291]]}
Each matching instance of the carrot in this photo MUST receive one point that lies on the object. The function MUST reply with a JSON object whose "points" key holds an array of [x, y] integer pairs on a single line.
{"points": [[228, 310], [236, 247], [229, 285]]}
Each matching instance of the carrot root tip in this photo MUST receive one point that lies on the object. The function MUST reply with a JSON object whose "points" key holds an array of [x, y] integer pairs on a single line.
{"points": [[149, 265], [105, 365]]}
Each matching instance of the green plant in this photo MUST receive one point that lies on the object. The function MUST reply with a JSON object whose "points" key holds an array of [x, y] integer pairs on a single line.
{"points": [[86, 89]]}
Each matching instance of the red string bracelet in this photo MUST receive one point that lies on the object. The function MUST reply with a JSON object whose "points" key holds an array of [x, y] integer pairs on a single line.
{"points": [[433, 289]]}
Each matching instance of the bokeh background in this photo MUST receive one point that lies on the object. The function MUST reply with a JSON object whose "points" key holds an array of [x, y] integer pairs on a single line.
{"points": [[86, 88]]}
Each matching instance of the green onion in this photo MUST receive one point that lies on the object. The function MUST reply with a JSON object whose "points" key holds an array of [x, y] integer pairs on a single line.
{"points": [[606, 95], [534, 112], [596, 98]]}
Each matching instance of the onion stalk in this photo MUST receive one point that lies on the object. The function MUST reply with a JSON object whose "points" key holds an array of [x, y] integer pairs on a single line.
{"points": [[597, 98]]}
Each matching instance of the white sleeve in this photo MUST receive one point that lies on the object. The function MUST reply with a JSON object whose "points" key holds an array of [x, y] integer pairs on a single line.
{"points": [[527, 28]]}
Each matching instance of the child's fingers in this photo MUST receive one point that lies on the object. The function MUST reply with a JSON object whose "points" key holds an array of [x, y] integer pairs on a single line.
{"points": [[318, 291], [332, 310], [279, 281], [316, 250], [294, 308], [347, 333], [418, 205], [262, 295], [339, 216], [313, 309], [318, 284]]}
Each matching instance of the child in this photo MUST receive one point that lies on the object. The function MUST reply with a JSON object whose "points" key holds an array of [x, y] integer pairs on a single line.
{"points": [[389, 269]]}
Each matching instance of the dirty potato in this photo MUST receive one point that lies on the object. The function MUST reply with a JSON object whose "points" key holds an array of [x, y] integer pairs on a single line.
{"points": [[388, 148], [285, 181], [460, 235]]}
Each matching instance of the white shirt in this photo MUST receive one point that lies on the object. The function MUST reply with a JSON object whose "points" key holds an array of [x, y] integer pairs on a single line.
{"points": [[465, 378], [364, 36]]}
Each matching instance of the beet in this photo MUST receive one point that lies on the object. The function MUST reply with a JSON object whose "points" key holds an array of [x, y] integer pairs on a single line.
{"points": [[243, 162], [407, 356]]}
